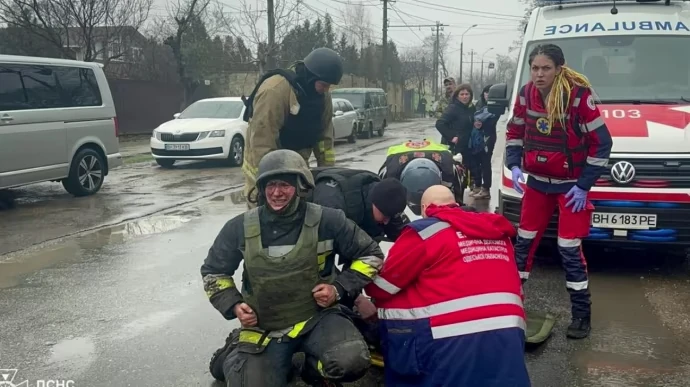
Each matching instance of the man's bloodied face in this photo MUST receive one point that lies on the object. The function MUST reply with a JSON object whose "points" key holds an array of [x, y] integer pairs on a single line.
{"points": [[279, 194]]}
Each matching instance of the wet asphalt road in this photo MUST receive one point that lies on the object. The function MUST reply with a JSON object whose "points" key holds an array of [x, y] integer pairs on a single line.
{"points": [[123, 305]]}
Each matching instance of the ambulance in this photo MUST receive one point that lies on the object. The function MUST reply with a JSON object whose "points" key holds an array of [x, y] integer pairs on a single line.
{"points": [[637, 56]]}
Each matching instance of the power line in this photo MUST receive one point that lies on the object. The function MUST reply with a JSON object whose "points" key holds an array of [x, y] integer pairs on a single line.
{"points": [[470, 10], [410, 28], [460, 11]]}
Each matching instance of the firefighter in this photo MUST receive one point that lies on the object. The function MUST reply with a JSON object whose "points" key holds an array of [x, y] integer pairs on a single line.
{"points": [[444, 101], [559, 138], [292, 109], [399, 158], [290, 290], [377, 206], [449, 300]]}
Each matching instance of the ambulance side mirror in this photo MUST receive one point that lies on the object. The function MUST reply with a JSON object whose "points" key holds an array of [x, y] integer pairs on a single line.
{"points": [[498, 99]]}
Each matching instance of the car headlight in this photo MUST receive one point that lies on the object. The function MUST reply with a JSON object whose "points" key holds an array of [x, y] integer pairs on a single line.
{"points": [[217, 133]]}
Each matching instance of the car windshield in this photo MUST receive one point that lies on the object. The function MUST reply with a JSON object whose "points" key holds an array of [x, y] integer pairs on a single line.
{"points": [[356, 99], [628, 68], [213, 109]]}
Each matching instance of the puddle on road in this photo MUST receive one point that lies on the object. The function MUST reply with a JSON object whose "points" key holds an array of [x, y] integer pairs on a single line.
{"points": [[76, 355], [72, 250]]}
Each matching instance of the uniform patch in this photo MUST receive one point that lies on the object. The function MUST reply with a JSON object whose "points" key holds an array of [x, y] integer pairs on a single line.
{"points": [[543, 126], [436, 157], [590, 102], [403, 159], [417, 144]]}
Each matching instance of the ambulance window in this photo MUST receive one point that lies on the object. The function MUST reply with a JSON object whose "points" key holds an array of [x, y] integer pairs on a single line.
{"points": [[620, 67]]}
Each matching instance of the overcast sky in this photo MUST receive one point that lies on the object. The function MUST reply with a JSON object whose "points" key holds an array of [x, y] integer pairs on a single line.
{"points": [[497, 22]]}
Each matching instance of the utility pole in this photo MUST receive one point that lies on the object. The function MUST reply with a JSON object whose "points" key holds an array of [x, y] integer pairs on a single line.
{"points": [[384, 81], [481, 80], [270, 15], [462, 41], [437, 49], [472, 52]]}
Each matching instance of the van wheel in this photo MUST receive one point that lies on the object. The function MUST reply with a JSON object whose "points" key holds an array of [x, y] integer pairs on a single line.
{"points": [[165, 163], [86, 173], [236, 154], [383, 128], [353, 136]]}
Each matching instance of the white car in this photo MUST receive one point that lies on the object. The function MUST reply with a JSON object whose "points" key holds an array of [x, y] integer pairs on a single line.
{"points": [[209, 129], [345, 120]]}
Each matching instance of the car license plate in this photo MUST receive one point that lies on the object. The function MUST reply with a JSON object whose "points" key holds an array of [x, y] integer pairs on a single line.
{"points": [[177, 147], [623, 221]]}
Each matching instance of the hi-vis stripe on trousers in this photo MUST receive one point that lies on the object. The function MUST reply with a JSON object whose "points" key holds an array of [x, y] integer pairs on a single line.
{"points": [[537, 210]]}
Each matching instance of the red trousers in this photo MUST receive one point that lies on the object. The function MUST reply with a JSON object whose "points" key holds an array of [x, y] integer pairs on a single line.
{"points": [[537, 210]]}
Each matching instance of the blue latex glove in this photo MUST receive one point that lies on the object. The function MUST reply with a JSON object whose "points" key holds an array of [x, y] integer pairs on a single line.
{"points": [[517, 179], [578, 198]]}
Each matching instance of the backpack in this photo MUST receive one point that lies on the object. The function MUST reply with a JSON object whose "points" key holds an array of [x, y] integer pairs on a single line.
{"points": [[351, 182]]}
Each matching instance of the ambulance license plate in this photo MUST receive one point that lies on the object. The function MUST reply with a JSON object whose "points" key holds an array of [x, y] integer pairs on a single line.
{"points": [[623, 221]]}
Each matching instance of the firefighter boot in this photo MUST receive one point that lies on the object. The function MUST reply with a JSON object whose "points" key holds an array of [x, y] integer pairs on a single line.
{"points": [[579, 328], [216, 365]]}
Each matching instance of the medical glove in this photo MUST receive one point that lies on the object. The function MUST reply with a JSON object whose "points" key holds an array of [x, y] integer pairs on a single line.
{"points": [[578, 198], [517, 178]]}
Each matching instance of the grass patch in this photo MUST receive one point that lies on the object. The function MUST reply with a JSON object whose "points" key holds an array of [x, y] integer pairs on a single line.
{"points": [[141, 158]]}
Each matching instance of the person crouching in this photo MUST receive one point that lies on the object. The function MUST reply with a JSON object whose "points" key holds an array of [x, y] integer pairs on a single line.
{"points": [[449, 300]]}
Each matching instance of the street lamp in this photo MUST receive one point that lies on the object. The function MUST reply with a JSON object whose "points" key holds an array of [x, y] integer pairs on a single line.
{"points": [[462, 37], [482, 76]]}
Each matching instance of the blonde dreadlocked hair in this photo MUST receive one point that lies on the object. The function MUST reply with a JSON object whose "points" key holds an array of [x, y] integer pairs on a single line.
{"points": [[566, 80]]}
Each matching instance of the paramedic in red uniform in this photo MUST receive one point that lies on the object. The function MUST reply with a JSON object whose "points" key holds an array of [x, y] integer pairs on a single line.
{"points": [[449, 300], [559, 138]]}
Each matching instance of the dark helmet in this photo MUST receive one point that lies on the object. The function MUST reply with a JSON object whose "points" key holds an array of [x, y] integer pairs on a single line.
{"points": [[418, 175], [325, 64], [282, 162]]}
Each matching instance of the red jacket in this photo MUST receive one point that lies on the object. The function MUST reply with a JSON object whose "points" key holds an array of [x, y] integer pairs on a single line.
{"points": [[456, 269], [540, 149]]}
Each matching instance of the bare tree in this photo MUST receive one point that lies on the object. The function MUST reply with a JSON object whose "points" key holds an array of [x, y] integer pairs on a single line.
{"points": [[443, 44], [249, 25], [183, 14], [529, 7], [416, 69], [357, 24], [88, 30]]}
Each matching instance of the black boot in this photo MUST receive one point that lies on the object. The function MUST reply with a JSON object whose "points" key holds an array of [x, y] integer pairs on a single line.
{"points": [[218, 358], [579, 328]]}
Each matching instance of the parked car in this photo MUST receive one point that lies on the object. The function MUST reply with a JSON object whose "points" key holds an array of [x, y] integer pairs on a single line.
{"points": [[57, 123], [345, 120], [371, 105], [209, 129]]}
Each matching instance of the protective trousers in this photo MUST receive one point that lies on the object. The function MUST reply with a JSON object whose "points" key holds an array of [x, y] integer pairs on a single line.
{"points": [[334, 347], [537, 209]]}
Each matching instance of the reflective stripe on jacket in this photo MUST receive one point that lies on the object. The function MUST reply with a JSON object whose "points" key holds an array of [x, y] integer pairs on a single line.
{"points": [[467, 285]]}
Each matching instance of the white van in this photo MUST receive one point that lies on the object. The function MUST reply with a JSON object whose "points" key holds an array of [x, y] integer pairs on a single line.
{"points": [[636, 55], [57, 123]]}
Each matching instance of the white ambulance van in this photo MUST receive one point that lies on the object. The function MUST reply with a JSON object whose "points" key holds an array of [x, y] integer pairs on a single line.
{"points": [[637, 56]]}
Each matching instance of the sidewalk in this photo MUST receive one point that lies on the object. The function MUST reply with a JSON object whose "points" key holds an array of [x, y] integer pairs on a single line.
{"points": [[134, 145]]}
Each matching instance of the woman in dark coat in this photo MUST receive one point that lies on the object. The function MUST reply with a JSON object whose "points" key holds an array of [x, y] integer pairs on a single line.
{"points": [[457, 121], [483, 159]]}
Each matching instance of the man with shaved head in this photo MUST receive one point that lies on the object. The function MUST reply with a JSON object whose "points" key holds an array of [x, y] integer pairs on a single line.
{"points": [[450, 286]]}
